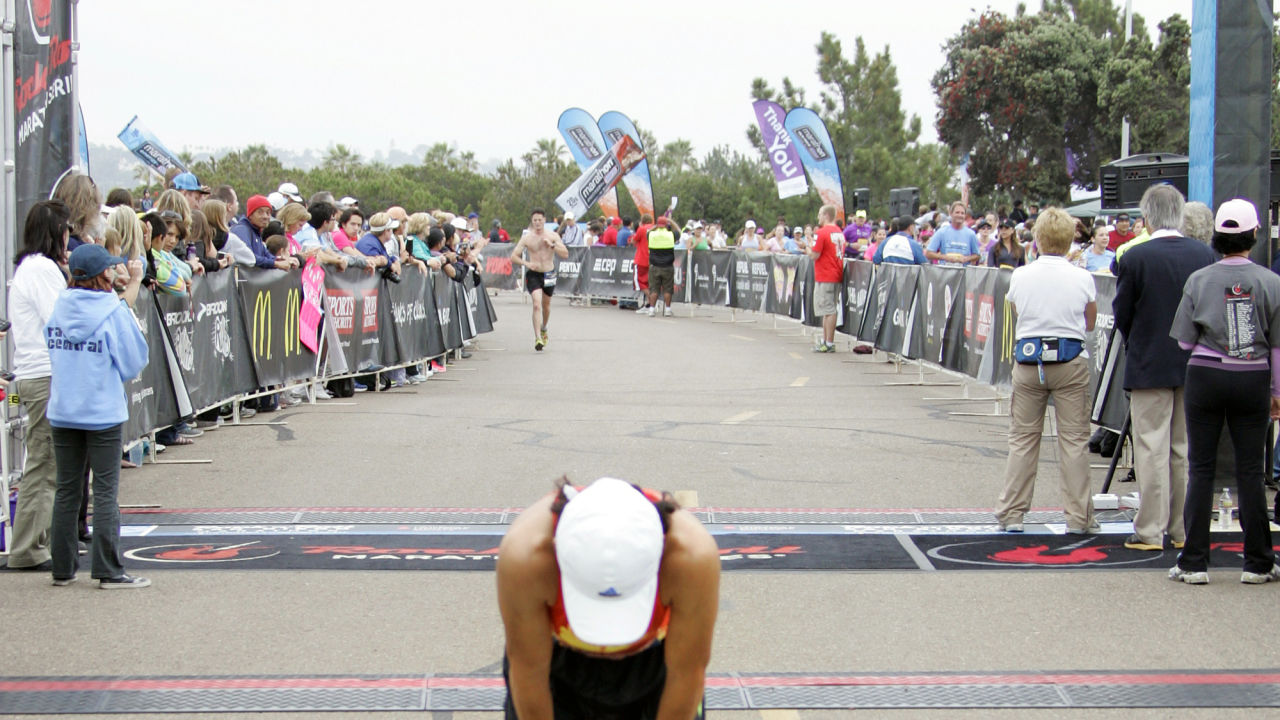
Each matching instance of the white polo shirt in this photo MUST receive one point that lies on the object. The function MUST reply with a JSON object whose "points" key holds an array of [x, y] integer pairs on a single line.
{"points": [[1050, 295]]}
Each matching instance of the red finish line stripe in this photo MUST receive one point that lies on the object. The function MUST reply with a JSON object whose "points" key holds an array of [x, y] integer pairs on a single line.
{"points": [[447, 683]]}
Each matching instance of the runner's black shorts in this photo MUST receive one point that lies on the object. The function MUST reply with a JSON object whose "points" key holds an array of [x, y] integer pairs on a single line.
{"points": [[591, 688], [537, 280]]}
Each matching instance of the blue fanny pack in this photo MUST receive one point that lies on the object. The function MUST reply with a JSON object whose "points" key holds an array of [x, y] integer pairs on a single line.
{"points": [[1042, 351]]}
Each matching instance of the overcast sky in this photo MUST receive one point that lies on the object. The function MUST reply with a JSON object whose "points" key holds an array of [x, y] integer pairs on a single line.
{"points": [[490, 77]]}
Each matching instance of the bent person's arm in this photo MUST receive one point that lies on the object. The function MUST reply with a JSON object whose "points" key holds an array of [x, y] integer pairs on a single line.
{"points": [[528, 631], [694, 605]]}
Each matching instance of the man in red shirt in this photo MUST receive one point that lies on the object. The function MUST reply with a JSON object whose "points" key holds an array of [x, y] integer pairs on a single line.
{"points": [[641, 240], [1122, 234], [610, 236], [827, 274]]}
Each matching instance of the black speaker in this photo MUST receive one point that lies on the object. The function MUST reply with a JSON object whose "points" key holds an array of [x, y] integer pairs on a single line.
{"points": [[1124, 181], [904, 201], [861, 199]]}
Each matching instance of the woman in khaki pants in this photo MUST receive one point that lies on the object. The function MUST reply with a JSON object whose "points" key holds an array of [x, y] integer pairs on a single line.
{"points": [[1055, 304]]}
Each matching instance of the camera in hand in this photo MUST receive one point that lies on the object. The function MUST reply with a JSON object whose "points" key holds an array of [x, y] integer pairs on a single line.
{"points": [[390, 274]]}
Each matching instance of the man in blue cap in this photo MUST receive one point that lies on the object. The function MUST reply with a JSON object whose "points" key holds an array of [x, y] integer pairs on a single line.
{"points": [[195, 193]]}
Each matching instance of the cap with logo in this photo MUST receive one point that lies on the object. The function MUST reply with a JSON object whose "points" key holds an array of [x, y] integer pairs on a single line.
{"points": [[91, 260], [609, 546], [1236, 216]]}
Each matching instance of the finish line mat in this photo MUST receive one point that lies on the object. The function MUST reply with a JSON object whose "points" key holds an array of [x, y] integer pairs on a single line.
{"points": [[738, 551], [737, 691]]}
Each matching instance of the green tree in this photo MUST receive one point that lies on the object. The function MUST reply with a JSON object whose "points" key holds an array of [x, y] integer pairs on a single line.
{"points": [[877, 145], [341, 160], [1021, 95], [1152, 87]]}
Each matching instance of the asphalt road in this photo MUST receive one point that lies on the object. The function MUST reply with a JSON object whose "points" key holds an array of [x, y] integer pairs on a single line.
{"points": [[741, 414]]}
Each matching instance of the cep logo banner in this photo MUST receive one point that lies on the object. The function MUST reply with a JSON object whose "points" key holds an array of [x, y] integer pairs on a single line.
{"points": [[587, 145], [818, 155]]}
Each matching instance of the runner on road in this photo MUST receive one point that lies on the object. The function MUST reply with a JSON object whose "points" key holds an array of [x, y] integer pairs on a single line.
{"points": [[540, 270], [608, 596]]}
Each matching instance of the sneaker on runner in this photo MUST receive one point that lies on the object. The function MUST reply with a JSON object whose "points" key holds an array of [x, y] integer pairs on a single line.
{"points": [[1177, 574], [538, 344], [649, 312], [1252, 578], [667, 312]]}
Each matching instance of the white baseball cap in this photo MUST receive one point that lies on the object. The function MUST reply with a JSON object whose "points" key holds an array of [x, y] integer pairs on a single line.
{"points": [[609, 546], [290, 191], [1236, 216], [277, 200]]}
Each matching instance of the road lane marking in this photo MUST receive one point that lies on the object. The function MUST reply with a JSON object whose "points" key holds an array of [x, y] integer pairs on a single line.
{"points": [[743, 337], [795, 356], [799, 382], [740, 417]]}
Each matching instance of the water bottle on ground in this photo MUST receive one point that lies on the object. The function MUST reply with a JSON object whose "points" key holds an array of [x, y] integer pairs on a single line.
{"points": [[1224, 509]]}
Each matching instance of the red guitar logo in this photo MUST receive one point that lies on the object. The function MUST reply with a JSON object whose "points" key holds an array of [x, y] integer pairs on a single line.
{"points": [[202, 553]]}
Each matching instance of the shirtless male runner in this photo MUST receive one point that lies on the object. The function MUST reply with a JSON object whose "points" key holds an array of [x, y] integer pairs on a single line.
{"points": [[540, 270], [608, 596]]}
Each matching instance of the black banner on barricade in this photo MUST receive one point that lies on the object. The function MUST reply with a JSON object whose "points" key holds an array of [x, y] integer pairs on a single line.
{"points": [[150, 395], [1106, 361], [407, 302], [877, 302], [447, 312], [996, 325], [938, 322], [899, 309], [351, 305], [608, 272], [570, 271], [219, 340], [44, 114], [800, 306], [749, 280], [464, 311], [783, 285], [482, 312], [979, 318], [270, 301], [859, 301], [710, 270], [497, 269]]}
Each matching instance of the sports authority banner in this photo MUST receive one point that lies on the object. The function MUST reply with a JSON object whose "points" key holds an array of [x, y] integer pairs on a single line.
{"points": [[351, 305], [497, 269], [787, 170], [615, 126], [148, 148], [271, 301], [710, 270], [592, 184], [43, 103], [587, 145], [818, 155]]}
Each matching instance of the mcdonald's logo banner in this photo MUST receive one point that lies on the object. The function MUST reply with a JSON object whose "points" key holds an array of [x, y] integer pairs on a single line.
{"points": [[271, 302]]}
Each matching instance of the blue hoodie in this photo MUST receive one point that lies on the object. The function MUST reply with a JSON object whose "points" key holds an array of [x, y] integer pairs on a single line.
{"points": [[95, 347]]}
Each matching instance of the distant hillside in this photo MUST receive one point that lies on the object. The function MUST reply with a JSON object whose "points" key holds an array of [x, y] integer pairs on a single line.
{"points": [[113, 166]]}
